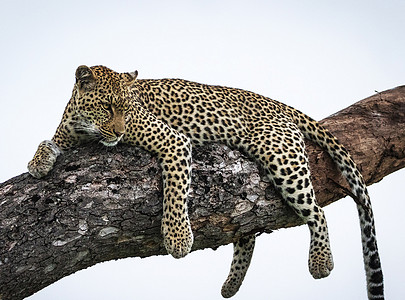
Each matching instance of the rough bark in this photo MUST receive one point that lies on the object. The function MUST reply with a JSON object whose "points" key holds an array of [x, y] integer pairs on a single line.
{"points": [[100, 204]]}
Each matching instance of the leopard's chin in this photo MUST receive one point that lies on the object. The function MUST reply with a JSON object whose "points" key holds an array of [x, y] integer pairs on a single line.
{"points": [[111, 142]]}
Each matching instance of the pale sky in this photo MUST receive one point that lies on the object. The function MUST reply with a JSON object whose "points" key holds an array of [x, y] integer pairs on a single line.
{"points": [[318, 56]]}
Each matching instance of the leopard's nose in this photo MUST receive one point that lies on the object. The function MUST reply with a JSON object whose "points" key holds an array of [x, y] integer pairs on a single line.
{"points": [[119, 132]]}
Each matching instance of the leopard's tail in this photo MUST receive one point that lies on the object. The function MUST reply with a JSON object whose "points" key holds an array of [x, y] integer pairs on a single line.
{"points": [[242, 255], [312, 130]]}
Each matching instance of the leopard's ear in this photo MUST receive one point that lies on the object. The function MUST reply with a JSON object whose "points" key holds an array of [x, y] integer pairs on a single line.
{"points": [[85, 78], [130, 77], [134, 74]]}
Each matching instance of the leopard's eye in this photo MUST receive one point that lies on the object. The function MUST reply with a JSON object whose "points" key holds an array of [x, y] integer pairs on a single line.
{"points": [[106, 106], [126, 106]]}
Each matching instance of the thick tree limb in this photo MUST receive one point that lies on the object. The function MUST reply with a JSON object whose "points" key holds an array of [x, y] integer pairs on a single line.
{"points": [[100, 204]]}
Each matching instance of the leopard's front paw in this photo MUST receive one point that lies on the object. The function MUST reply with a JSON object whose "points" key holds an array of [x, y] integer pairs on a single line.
{"points": [[43, 160], [177, 237], [320, 261]]}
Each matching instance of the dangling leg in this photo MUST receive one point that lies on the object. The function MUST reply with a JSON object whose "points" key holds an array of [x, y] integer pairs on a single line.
{"points": [[281, 151], [176, 174], [242, 255]]}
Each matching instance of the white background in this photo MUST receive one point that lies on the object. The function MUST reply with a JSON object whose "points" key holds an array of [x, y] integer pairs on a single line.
{"points": [[318, 56]]}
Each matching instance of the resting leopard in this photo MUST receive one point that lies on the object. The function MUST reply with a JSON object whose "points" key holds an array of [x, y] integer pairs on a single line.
{"points": [[169, 116]]}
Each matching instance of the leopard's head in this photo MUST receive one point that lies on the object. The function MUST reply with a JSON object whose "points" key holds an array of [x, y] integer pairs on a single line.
{"points": [[101, 100]]}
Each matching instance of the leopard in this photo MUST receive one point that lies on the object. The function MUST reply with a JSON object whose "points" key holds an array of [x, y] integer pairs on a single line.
{"points": [[169, 117]]}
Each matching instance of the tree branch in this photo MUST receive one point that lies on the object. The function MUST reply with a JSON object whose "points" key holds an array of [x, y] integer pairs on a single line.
{"points": [[100, 204]]}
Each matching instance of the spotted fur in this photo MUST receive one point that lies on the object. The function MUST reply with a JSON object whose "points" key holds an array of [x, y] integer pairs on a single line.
{"points": [[242, 255], [168, 116]]}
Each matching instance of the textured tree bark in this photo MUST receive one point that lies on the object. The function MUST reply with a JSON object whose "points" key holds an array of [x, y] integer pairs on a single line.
{"points": [[100, 203]]}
